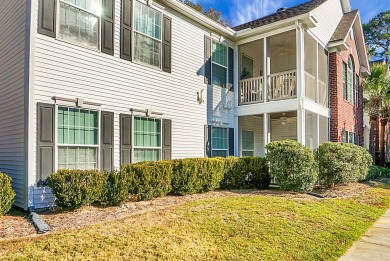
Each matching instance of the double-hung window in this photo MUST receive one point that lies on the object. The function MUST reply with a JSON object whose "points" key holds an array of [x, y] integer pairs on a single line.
{"points": [[147, 139], [219, 142], [147, 35], [345, 136], [79, 22], [357, 90], [345, 92], [351, 137], [78, 142], [248, 139], [219, 69], [350, 80]]}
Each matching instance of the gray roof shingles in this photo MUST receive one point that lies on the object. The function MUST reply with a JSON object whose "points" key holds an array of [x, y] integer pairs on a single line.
{"points": [[282, 15], [343, 28]]}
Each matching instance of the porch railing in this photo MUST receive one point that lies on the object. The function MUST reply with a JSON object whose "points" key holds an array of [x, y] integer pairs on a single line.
{"points": [[251, 91], [310, 86], [282, 86]]}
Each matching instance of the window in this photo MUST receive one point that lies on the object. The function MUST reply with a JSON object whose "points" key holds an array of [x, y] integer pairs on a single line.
{"points": [[345, 136], [350, 80], [357, 90], [351, 138], [219, 68], [345, 81], [147, 35], [219, 142], [248, 140], [147, 139], [357, 140], [79, 22], [78, 142], [246, 67]]}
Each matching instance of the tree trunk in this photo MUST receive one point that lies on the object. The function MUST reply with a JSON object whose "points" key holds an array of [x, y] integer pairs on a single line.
{"points": [[373, 121], [382, 141]]}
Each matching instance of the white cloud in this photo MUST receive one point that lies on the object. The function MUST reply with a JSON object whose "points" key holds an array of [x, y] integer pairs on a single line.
{"points": [[244, 11]]}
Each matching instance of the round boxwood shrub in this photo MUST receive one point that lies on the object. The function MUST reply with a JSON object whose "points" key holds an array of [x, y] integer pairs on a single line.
{"points": [[197, 175], [342, 163], [7, 194], [292, 164], [75, 188], [148, 180], [117, 189]]}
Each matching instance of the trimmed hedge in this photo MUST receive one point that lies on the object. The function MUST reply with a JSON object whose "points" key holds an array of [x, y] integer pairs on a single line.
{"points": [[76, 188], [292, 164], [7, 194], [342, 163], [246, 172], [148, 180], [116, 189], [197, 175]]}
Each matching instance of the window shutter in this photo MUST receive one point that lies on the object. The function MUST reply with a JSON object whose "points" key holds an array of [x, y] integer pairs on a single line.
{"points": [[231, 69], [126, 29], [207, 140], [107, 34], [207, 60], [167, 140], [46, 138], [47, 17], [167, 45], [126, 134], [107, 141], [231, 141]]}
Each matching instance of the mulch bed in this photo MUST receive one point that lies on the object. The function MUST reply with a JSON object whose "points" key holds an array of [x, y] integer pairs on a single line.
{"points": [[17, 225]]}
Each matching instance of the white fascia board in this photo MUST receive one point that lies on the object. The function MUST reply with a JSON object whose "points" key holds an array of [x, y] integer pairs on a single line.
{"points": [[267, 107], [339, 45], [200, 18], [315, 108], [358, 28], [305, 18]]}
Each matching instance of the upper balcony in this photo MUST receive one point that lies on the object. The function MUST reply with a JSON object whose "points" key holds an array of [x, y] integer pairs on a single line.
{"points": [[272, 63]]}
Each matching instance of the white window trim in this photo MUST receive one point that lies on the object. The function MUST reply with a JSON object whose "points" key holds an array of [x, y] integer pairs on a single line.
{"points": [[242, 149], [57, 145], [227, 149], [226, 67], [99, 16], [133, 147], [135, 31]]}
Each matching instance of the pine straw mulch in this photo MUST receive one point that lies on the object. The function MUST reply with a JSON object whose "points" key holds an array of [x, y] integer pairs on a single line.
{"points": [[16, 224]]}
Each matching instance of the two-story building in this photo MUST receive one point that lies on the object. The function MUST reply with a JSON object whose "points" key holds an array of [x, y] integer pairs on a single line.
{"points": [[94, 84]]}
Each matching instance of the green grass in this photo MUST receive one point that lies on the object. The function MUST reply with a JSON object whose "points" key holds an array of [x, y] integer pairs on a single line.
{"points": [[232, 228]]}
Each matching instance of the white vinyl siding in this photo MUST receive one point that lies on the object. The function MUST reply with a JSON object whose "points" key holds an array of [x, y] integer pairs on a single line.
{"points": [[13, 160], [66, 70], [78, 138], [147, 139], [79, 22]]}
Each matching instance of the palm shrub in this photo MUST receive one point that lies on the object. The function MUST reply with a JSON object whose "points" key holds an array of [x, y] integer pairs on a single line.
{"points": [[342, 163], [293, 164], [148, 180], [197, 175], [75, 188], [7, 194]]}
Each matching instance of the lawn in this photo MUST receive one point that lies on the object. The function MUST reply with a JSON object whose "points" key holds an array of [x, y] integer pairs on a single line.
{"points": [[240, 227]]}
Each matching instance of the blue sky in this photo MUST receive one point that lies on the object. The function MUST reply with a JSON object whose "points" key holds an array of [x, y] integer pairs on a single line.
{"points": [[241, 11]]}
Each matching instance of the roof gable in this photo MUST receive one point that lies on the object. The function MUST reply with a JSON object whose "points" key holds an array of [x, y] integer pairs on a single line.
{"points": [[344, 26]]}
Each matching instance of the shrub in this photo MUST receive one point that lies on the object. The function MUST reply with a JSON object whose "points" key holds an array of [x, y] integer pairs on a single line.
{"points": [[235, 173], [7, 194], [257, 168], [148, 180], [76, 188], [197, 175], [292, 164], [341, 163], [377, 172], [117, 189]]}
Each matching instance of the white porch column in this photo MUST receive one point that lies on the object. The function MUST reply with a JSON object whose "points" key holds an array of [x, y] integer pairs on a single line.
{"points": [[266, 132], [237, 141], [300, 64], [301, 123], [266, 68]]}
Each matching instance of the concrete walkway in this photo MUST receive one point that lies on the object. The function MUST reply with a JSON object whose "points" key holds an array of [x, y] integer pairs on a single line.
{"points": [[374, 245]]}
